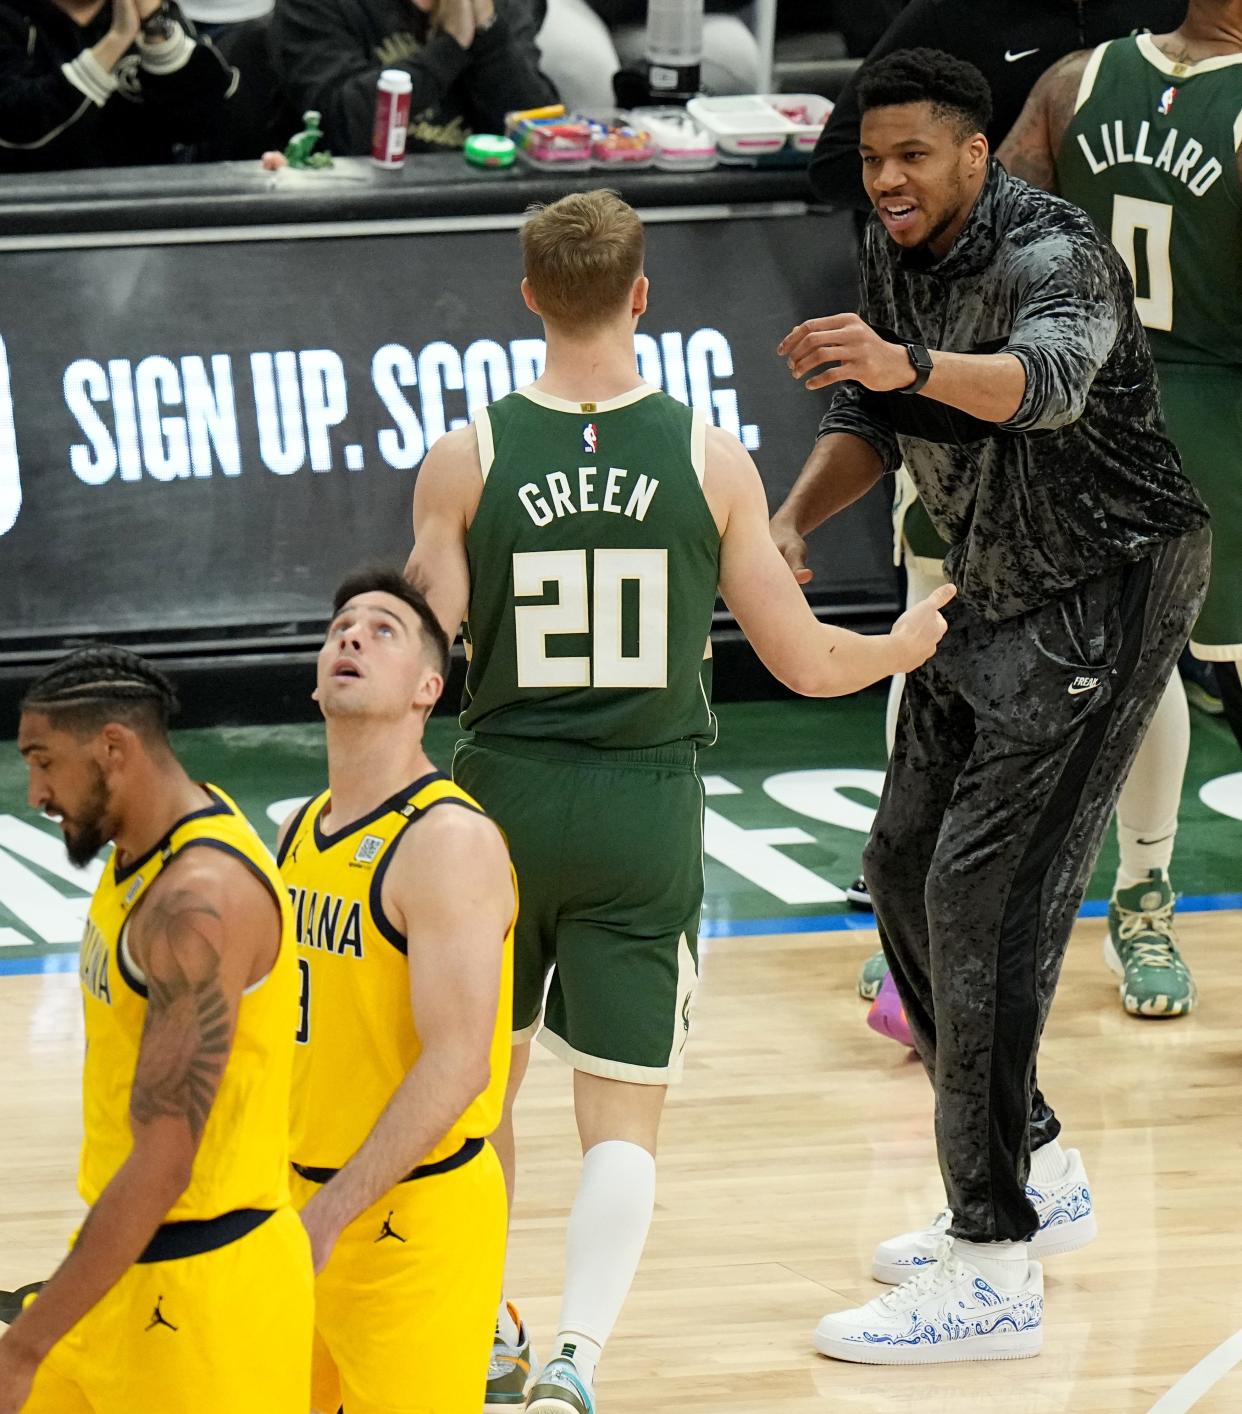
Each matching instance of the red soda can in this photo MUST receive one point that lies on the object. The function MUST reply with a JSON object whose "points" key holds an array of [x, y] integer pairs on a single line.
{"points": [[392, 118]]}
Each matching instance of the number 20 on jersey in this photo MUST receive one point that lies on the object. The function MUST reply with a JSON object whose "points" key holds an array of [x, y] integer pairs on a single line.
{"points": [[593, 605]]}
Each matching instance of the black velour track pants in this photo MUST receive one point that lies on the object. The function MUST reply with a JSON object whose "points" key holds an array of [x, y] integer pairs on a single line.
{"points": [[1012, 747]]}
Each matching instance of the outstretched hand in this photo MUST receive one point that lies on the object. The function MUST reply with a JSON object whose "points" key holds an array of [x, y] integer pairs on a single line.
{"points": [[854, 350], [917, 632]]}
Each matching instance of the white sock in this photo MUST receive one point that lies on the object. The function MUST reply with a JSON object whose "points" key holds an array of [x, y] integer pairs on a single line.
{"points": [[581, 1351], [1004, 1264], [607, 1232], [1048, 1163], [507, 1329], [1147, 810]]}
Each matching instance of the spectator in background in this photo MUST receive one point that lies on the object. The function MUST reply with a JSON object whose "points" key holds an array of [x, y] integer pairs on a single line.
{"points": [[863, 26], [584, 42], [471, 62], [103, 83], [1011, 41]]}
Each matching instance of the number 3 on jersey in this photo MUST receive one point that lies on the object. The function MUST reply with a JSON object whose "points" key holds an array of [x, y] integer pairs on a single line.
{"points": [[1153, 287], [303, 1003], [601, 614]]}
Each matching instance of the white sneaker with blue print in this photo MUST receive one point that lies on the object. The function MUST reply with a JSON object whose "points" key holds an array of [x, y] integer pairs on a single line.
{"points": [[1066, 1222], [947, 1311]]}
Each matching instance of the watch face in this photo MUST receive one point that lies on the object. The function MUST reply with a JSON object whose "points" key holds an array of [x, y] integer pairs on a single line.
{"points": [[920, 361]]}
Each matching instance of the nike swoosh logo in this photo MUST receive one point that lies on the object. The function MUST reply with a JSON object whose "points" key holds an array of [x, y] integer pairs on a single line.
{"points": [[1012, 58], [1161, 840], [1078, 691]]}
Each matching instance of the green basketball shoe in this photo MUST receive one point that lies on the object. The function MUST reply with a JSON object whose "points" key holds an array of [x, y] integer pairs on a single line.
{"points": [[508, 1370], [560, 1390], [872, 976], [1141, 949]]}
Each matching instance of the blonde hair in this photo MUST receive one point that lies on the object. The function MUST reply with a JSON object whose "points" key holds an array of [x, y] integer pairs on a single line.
{"points": [[582, 255]]}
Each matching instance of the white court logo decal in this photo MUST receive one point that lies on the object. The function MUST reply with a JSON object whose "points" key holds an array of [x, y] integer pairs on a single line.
{"points": [[10, 478], [46, 913], [1224, 795]]}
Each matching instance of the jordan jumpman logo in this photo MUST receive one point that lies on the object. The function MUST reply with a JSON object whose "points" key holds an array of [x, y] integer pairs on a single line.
{"points": [[158, 1318], [387, 1231]]}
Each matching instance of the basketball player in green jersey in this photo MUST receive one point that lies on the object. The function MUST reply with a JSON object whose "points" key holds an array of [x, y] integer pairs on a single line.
{"points": [[581, 529], [1144, 133]]}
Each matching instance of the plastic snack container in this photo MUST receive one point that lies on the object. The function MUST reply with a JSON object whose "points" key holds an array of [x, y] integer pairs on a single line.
{"points": [[744, 125], [550, 138], [620, 143], [488, 150], [681, 144], [808, 112]]}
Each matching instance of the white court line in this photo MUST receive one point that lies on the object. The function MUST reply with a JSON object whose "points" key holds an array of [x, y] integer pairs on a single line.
{"points": [[1194, 1384]]}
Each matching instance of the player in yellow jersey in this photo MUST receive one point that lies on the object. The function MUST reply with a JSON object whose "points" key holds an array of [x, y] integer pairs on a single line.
{"points": [[404, 904], [189, 1287]]}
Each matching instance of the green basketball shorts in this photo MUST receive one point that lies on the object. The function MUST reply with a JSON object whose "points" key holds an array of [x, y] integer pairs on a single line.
{"points": [[1203, 409], [608, 849]]}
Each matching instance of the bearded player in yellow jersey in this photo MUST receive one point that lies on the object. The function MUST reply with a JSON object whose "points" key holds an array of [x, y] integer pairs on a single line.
{"points": [[404, 904], [189, 1287]]}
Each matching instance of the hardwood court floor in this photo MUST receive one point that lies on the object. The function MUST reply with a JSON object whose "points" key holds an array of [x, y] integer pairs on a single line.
{"points": [[797, 1140]]}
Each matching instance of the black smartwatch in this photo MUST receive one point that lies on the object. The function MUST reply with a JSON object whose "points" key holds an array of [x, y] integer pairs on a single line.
{"points": [[921, 362]]}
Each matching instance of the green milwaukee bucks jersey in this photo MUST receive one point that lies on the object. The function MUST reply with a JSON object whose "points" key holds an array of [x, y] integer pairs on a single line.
{"points": [[594, 561], [1152, 156]]}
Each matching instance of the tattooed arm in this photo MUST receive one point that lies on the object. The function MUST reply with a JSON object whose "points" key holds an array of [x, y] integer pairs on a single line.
{"points": [[1030, 150], [201, 936], [189, 1027]]}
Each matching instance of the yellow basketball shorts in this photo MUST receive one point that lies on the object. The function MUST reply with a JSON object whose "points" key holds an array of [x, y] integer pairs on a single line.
{"points": [[405, 1308], [225, 1329]]}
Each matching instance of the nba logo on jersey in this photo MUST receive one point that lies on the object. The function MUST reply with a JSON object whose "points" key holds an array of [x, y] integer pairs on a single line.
{"points": [[134, 890], [1166, 101], [368, 848], [590, 438]]}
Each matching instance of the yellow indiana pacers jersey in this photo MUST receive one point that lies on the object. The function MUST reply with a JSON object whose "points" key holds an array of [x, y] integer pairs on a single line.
{"points": [[243, 1158], [357, 1039]]}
